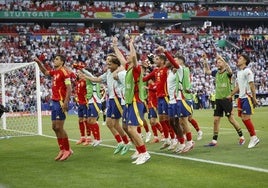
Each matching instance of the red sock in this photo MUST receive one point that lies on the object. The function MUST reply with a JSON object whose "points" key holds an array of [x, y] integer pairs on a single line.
{"points": [[189, 136], [165, 129], [96, 131], [66, 144], [125, 139], [159, 127], [248, 123], [154, 129], [118, 138], [138, 149], [82, 128], [180, 139], [142, 148], [60, 143], [145, 125], [88, 128], [194, 124]]}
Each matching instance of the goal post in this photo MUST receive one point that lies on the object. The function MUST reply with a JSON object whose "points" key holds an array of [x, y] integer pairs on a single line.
{"points": [[20, 93]]}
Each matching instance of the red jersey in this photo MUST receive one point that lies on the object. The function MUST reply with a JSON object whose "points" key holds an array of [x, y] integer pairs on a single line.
{"points": [[58, 83], [152, 99], [81, 91], [160, 77]]}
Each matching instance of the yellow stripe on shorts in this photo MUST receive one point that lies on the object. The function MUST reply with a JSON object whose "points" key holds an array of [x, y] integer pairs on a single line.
{"points": [[136, 110], [118, 105]]}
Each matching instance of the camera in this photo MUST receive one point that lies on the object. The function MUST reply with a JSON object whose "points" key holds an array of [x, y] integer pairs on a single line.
{"points": [[151, 58], [3, 109]]}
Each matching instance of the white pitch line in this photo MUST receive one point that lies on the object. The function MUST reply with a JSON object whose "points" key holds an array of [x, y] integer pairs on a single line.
{"points": [[189, 158], [212, 162]]}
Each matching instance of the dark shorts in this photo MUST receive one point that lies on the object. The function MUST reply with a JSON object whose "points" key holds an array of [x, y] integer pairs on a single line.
{"points": [[245, 106], [56, 111], [152, 113], [162, 105], [82, 110], [93, 109], [135, 115], [183, 108], [173, 110], [114, 109], [223, 105]]}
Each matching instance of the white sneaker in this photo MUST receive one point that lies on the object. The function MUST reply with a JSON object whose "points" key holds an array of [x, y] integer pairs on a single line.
{"points": [[135, 155], [199, 135], [148, 137], [188, 146], [179, 148], [143, 158], [104, 123], [96, 143], [173, 144], [254, 140], [138, 156], [165, 144]]}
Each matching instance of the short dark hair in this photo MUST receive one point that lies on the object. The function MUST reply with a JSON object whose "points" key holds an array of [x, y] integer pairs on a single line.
{"points": [[246, 57]]}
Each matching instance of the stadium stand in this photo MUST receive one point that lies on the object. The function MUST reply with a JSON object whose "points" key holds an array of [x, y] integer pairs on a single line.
{"points": [[89, 42]]}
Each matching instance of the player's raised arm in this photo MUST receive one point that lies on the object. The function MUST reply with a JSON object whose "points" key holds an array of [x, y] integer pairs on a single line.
{"points": [[87, 75], [133, 54], [169, 56], [118, 53], [41, 66], [206, 66]]}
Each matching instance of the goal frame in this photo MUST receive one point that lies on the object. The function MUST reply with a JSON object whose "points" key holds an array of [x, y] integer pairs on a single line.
{"points": [[7, 67]]}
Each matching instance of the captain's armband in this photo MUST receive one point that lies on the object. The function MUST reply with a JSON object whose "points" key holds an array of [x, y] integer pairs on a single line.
{"points": [[67, 81]]}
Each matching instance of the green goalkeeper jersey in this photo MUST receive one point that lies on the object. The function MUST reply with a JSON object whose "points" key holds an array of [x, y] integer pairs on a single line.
{"points": [[223, 84]]}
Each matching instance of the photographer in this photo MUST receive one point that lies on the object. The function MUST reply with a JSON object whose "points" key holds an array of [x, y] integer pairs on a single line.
{"points": [[3, 109]]}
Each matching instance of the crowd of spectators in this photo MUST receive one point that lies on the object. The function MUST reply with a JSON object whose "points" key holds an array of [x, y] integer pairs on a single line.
{"points": [[92, 50], [19, 43]]}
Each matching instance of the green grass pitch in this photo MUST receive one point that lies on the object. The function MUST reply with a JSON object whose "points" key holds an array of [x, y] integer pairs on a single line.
{"points": [[28, 162]]}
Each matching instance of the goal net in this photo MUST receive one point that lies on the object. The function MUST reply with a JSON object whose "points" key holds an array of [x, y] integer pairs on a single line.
{"points": [[20, 93]]}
